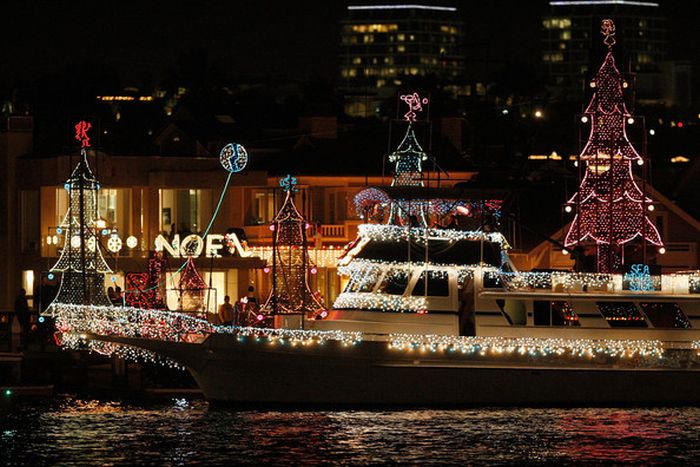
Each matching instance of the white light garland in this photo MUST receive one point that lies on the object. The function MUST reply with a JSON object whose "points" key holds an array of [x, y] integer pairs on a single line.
{"points": [[397, 233], [382, 302], [528, 346], [77, 324]]}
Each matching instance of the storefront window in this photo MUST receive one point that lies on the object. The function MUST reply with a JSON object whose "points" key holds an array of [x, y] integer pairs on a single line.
{"points": [[263, 208], [184, 211], [114, 207]]}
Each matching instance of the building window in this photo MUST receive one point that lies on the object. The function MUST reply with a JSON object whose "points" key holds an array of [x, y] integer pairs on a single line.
{"points": [[29, 220], [363, 28], [263, 208], [556, 23], [114, 207], [183, 211], [553, 57]]}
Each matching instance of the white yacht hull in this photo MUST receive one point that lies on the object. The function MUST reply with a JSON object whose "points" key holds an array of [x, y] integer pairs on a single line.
{"points": [[371, 374]]}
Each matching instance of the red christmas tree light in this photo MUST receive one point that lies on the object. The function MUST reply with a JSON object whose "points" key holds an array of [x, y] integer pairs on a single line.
{"points": [[611, 208]]}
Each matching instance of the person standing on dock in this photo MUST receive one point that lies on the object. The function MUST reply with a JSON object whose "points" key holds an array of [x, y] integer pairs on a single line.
{"points": [[22, 313]]}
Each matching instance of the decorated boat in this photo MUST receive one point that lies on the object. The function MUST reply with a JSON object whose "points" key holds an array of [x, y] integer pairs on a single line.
{"points": [[434, 312]]}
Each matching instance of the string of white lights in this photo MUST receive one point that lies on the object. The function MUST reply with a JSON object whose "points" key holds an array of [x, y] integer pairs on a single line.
{"points": [[528, 346], [380, 232]]}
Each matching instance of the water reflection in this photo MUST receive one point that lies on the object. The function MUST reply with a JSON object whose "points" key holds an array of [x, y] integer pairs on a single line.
{"points": [[182, 432]]}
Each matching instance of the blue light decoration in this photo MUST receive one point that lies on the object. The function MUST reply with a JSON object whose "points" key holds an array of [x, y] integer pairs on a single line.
{"points": [[639, 278], [233, 157], [59, 230], [50, 276], [289, 184], [41, 319]]}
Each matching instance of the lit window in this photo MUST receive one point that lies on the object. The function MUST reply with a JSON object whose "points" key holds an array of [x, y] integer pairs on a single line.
{"points": [[556, 23], [363, 28], [400, 48], [357, 61], [400, 37], [565, 35]]}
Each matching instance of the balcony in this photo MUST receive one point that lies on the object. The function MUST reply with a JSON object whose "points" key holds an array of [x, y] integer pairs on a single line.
{"points": [[330, 233]]}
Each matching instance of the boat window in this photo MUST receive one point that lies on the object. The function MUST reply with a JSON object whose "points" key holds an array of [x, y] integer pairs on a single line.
{"points": [[622, 314], [395, 282], [362, 282], [547, 313], [438, 284], [665, 315], [567, 314], [514, 311], [492, 280]]}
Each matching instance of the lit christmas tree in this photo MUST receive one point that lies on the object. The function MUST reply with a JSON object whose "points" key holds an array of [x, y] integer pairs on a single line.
{"points": [[81, 264], [408, 171], [290, 292], [610, 206]]}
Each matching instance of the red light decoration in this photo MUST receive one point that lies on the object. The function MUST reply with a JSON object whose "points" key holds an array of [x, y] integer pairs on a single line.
{"points": [[81, 129], [137, 293], [611, 208]]}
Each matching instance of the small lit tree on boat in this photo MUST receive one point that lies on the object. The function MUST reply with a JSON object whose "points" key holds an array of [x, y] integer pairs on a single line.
{"points": [[290, 293]]}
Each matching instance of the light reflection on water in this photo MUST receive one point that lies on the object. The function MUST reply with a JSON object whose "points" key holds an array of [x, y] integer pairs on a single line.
{"points": [[182, 432]]}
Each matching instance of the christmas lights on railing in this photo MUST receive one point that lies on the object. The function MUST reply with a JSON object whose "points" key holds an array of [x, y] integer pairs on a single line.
{"points": [[293, 337], [528, 346], [380, 302], [364, 272], [127, 352], [563, 281], [81, 326], [556, 280], [387, 233]]}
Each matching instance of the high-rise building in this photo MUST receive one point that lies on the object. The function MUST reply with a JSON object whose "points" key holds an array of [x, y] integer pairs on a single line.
{"points": [[571, 37], [385, 47]]}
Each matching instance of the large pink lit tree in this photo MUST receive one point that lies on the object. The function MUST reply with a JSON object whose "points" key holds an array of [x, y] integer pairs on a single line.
{"points": [[611, 209]]}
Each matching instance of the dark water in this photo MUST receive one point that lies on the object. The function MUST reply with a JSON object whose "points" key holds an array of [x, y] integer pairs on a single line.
{"points": [[88, 432]]}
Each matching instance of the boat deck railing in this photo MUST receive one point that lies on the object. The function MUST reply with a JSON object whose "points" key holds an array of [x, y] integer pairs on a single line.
{"points": [[680, 283]]}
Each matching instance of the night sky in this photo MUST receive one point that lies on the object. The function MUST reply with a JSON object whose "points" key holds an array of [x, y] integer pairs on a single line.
{"points": [[144, 42]]}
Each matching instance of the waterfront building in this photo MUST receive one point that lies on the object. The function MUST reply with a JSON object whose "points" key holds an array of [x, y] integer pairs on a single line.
{"points": [[155, 201]]}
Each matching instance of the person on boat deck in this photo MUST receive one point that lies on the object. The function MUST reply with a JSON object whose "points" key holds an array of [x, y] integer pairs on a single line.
{"points": [[226, 312], [119, 295], [111, 295], [251, 295]]}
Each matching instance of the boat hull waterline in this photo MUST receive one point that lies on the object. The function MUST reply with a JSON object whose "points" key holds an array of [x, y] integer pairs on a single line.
{"points": [[369, 373]]}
